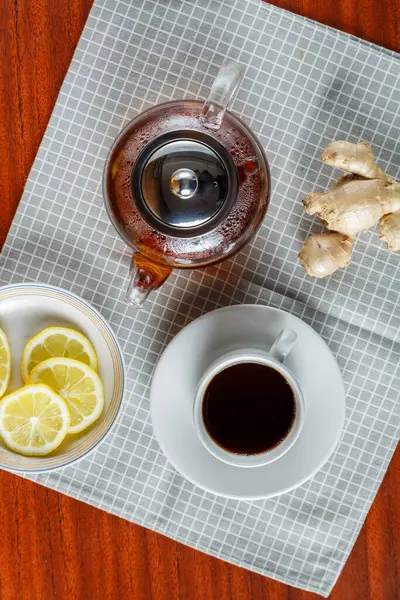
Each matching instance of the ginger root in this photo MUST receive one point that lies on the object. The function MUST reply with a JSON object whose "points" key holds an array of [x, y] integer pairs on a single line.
{"points": [[355, 158], [350, 208], [390, 231], [324, 253], [353, 204], [390, 200]]}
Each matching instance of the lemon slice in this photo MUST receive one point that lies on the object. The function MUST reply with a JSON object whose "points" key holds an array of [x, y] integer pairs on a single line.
{"points": [[5, 363], [78, 384], [55, 342], [34, 420]]}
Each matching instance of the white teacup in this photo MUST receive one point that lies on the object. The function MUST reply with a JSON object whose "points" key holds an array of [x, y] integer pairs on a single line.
{"points": [[274, 358]]}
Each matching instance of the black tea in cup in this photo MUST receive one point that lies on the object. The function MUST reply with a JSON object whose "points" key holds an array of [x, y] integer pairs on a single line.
{"points": [[248, 408]]}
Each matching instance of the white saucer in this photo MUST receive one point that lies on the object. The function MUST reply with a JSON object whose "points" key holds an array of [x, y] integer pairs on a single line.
{"points": [[188, 356]]}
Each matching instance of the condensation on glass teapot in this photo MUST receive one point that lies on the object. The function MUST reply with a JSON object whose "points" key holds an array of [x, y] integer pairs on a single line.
{"points": [[186, 185]]}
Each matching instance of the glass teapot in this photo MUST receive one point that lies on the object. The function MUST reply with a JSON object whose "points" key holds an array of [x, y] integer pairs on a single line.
{"points": [[186, 185]]}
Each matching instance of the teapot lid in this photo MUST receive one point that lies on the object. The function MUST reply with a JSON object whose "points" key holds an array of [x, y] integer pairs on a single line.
{"points": [[184, 183]]}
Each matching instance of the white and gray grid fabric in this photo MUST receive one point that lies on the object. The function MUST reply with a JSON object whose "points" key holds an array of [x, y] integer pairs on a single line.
{"points": [[305, 85]]}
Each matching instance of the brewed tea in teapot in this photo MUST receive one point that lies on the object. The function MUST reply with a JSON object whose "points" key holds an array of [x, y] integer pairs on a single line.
{"points": [[186, 185]]}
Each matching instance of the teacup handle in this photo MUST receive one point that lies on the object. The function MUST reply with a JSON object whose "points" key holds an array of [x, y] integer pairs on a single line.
{"points": [[222, 94], [283, 344]]}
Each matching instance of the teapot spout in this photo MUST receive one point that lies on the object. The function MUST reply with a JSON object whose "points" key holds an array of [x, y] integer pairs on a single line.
{"points": [[146, 276]]}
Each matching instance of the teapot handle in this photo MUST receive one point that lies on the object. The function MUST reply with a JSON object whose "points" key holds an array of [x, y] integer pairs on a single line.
{"points": [[145, 276], [222, 94]]}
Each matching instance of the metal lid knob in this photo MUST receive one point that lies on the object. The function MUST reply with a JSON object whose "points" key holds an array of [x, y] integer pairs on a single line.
{"points": [[184, 183]]}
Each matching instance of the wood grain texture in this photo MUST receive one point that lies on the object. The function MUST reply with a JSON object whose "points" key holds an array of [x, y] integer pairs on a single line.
{"points": [[377, 21], [55, 547]]}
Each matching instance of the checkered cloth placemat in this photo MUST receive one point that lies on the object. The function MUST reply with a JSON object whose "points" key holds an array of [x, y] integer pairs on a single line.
{"points": [[305, 85]]}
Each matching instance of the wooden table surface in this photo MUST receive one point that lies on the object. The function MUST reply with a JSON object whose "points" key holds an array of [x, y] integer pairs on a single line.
{"points": [[55, 547]]}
